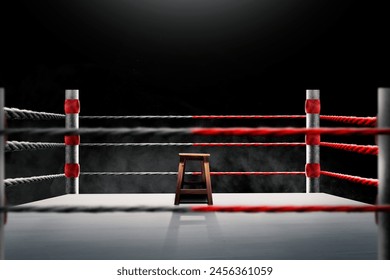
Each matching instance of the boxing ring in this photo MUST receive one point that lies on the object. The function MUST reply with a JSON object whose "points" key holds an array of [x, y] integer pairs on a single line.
{"points": [[308, 225]]}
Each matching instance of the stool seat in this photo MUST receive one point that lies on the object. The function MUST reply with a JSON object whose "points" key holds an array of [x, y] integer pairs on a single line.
{"points": [[193, 156], [205, 176]]}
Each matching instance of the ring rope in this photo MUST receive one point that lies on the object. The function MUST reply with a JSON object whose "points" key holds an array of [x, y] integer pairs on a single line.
{"points": [[13, 146], [262, 173], [363, 121], [237, 131], [16, 146], [355, 179], [127, 173], [27, 180], [197, 117], [361, 149], [247, 144], [213, 173], [22, 114], [16, 181], [212, 208]]}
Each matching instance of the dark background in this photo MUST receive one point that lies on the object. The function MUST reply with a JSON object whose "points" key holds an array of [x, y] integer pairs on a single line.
{"points": [[193, 57]]}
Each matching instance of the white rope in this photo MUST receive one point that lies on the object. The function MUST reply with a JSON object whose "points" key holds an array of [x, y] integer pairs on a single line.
{"points": [[22, 114], [16, 146], [27, 180]]}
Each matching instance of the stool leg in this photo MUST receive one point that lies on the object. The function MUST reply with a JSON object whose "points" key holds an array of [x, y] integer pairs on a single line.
{"points": [[208, 182], [180, 177], [202, 167]]}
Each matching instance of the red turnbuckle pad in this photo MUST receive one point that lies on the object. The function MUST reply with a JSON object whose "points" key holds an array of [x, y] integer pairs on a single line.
{"points": [[72, 170], [72, 140], [313, 139], [72, 106], [312, 106], [312, 170]]}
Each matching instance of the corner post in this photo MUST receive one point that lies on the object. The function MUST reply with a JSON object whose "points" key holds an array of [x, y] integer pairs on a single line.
{"points": [[2, 189], [72, 142], [383, 173], [312, 168]]}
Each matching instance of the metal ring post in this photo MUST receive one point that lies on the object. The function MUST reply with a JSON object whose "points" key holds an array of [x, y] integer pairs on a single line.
{"points": [[72, 142], [383, 173], [312, 168]]}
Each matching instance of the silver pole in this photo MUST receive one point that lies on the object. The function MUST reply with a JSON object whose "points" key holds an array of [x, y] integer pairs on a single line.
{"points": [[2, 190], [312, 168], [383, 173], [72, 167]]}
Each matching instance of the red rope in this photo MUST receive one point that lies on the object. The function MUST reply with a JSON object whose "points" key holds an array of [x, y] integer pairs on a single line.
{"points": [[238, 173], [212, 208], [363, 121], [355, 179], [293, 208], [291, 144], [361, 149], [249, 117], [288, 131]]}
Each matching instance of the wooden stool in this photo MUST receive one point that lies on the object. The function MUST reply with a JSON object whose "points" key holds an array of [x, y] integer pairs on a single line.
{"points": [[205, 174]]}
